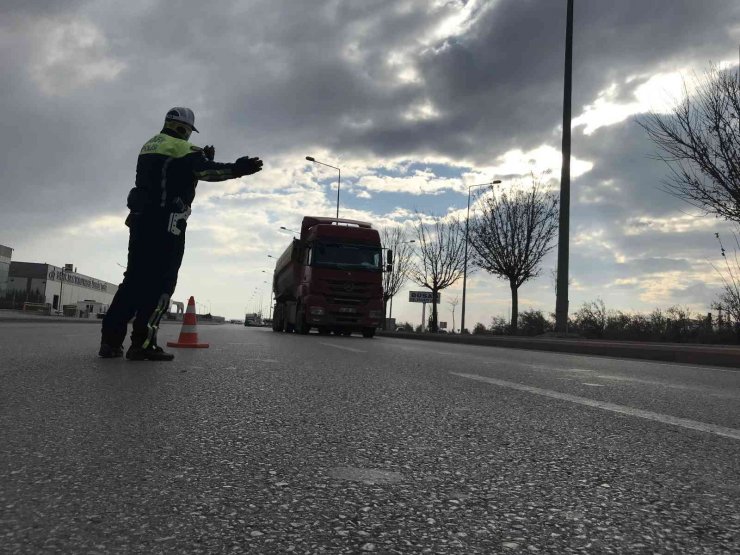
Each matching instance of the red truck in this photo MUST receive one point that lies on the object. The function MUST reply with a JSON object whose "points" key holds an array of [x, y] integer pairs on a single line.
{"points": [[331, 279]]}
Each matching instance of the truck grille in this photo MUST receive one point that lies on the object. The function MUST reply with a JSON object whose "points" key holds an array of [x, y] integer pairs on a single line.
{"points": [[348, 293]]}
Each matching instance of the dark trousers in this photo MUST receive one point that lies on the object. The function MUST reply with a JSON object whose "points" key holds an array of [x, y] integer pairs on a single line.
{"points": [[154, 258]]}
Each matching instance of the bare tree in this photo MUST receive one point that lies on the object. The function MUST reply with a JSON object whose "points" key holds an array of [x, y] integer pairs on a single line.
{"points": [[453, 305], [394, 238], [511, 235], [729, 299], [699, 140], [441, 256]]}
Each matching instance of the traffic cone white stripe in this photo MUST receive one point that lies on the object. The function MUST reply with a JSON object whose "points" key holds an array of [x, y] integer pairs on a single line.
{"points": [[189, 331]]}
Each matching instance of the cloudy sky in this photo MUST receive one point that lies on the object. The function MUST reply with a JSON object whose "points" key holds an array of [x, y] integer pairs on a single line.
{"points": [[413, 99]]}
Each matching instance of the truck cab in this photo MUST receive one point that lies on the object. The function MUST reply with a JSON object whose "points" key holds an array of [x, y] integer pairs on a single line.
{"points": [[330, 279]]}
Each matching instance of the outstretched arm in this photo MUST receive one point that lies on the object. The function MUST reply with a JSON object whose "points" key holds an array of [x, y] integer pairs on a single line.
{"points": [[204, 168]]}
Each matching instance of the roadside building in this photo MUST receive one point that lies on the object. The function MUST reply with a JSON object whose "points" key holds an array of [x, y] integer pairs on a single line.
{"points": [[55, 290], [6, 253]]}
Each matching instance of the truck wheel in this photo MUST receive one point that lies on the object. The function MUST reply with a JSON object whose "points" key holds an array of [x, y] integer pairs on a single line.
{"points": [[323, 330], [301, 326], [368, 332]]}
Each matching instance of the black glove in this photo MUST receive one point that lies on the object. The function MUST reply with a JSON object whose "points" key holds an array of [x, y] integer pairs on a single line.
{"points": [[209, 152], [246, 166]]}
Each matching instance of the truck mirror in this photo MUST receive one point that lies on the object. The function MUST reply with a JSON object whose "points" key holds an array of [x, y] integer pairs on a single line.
{"points": [[389, 257], [389, 268]]}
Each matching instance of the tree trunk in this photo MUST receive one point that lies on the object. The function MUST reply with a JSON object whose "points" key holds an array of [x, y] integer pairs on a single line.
{"points": [[514, 307], [434, 311], [385, 311]]}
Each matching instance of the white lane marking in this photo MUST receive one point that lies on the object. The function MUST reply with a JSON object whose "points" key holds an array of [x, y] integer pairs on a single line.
{"points": [[343, 348], [615, 377], [714, 392], [678, 365], [612, 407], [593, 384]]}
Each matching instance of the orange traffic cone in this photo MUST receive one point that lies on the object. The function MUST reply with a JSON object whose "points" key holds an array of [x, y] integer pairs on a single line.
{"points": [[189, 331]]}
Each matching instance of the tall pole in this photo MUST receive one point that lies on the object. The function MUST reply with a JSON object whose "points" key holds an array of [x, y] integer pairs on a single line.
{"points": [[561, 300], [339, 182], [465, 266]]}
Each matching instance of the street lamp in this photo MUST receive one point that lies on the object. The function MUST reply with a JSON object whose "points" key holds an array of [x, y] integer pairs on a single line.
{"points": [[339, 178], [293, 231], [465, 265]]}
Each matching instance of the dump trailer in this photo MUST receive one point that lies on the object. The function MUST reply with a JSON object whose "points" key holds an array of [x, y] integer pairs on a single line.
{"points": [[331, 279]]}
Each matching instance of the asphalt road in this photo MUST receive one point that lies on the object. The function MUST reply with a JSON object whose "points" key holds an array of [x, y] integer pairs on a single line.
{"points": [[274, 443]]}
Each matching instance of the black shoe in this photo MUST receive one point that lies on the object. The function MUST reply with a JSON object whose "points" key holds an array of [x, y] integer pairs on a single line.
{"points": [[150, 353], [109, 351]]}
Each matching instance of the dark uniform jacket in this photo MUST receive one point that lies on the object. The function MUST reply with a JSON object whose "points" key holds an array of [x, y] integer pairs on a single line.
{"points": [[167, 173]]}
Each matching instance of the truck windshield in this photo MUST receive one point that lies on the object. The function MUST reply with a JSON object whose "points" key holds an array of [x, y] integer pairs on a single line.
{"points": [[337, 255]]}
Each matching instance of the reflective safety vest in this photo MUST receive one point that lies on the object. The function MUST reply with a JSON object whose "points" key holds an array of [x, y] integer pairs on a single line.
{"points": [[168, 170]]}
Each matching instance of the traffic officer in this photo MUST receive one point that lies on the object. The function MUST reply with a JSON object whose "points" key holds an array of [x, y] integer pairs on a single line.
{"points": [[167, 173]]}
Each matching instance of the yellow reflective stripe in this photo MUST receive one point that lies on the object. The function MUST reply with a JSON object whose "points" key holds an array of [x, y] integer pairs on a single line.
{"points": [[152, 326], [168, 146], [217, 174], [163, 182]]}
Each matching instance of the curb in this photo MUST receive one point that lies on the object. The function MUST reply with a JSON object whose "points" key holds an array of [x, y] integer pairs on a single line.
{"points": [[708, 355]]}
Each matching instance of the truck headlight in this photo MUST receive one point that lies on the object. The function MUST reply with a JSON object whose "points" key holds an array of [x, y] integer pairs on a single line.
{"points": [[375, 314], [317, 311]]}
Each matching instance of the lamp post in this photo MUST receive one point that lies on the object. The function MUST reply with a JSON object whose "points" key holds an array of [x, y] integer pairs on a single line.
{"points": [[465, 264], [339, 178], [293, 231], [561, 297]]}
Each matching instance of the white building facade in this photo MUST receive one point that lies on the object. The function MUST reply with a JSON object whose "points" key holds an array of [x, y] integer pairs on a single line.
{"points": [[6, 253], [62, 289]]}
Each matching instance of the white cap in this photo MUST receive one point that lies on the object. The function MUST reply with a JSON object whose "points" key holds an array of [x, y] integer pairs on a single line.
{"points": [[184, 115]]}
